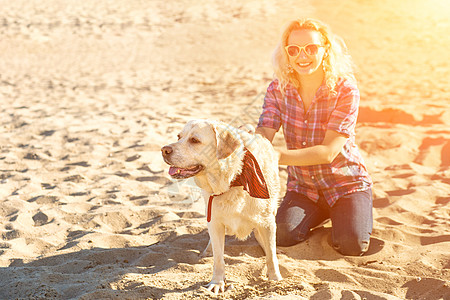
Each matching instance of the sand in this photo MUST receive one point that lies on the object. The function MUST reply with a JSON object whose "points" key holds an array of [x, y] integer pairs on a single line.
{"points": [[91, 90]]}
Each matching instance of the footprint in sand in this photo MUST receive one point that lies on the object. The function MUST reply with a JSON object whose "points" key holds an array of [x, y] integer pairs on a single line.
{"points": [[11, 234], [48, 186], [47, 133], [80, 164], [78, 194], [150, 170], [157, 179], [32, 156], [134, 198], [44, 200], [74, 178], [40, 219], [3, 246], [132, 158], [139, 200]]}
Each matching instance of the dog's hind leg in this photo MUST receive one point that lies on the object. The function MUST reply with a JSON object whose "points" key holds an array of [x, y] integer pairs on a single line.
{"points": [[259, 240], [266, 238], [208, 250]]}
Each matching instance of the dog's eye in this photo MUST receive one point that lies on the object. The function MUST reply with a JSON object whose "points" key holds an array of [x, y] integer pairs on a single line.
{"points": [[179, 137], [193, 140]]}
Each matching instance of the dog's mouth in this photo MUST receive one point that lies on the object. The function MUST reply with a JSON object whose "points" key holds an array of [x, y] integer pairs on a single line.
{"points": [[181, 173]]}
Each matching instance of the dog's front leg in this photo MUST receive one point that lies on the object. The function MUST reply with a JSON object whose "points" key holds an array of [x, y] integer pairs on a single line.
{"points": [[217, 237]]}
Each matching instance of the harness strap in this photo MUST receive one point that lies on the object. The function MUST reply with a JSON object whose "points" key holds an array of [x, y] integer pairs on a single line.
{"points": [[208, 217]]}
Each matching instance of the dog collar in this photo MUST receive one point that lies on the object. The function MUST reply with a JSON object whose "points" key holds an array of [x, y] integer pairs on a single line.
{"points": [[251, 178]]}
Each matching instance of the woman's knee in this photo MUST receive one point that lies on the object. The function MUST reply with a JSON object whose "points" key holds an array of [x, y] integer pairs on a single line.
{"points": [[288, 236], [351, 244]]}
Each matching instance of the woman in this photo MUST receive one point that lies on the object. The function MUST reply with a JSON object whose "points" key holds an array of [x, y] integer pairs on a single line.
{"points": [[315, 99]]}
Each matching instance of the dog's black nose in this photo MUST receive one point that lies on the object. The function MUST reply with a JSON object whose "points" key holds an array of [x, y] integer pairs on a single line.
{"points": [[166, 150]]}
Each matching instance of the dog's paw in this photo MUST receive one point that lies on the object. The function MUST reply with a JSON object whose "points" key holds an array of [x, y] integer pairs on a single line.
{"points": [[216, 287], [275, 276]]}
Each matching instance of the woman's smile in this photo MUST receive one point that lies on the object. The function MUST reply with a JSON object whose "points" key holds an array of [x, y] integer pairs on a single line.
{"points": [[304, 65]]}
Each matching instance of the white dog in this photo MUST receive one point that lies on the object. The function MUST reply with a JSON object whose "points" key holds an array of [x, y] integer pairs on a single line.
{"points": [[221, 158]]}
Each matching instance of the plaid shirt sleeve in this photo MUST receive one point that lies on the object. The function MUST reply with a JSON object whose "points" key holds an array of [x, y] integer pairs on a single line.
{"points": [[343, 117], [271, 114]]}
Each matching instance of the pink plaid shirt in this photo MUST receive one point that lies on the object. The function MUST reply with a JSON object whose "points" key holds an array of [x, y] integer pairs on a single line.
{"points": [[347, 173]]}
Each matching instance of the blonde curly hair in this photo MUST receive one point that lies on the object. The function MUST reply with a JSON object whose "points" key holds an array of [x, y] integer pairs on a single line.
{"points": [[337, 63]]}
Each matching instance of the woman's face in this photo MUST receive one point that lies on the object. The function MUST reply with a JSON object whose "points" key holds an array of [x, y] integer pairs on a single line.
{"points": [[305, 64]]}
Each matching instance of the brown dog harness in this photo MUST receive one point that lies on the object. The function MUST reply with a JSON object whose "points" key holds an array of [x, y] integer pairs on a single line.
{"points": [[251, 178]]}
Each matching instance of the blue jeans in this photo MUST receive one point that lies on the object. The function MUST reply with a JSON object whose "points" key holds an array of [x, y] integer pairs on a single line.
{"points": [[351, 218]]}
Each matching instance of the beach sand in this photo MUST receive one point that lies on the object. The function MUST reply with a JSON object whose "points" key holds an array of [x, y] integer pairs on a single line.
{"points": [[91, 90]]}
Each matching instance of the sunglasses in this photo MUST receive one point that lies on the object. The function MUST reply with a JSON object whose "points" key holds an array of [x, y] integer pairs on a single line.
{"points": [[295, 50]]}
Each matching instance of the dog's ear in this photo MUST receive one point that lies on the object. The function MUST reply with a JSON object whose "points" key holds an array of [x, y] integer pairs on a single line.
{"points": [[227, 142]]}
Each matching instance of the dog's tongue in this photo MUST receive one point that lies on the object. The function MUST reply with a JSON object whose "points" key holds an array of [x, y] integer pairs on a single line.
{"points": [[182, 171], [173, 170]]}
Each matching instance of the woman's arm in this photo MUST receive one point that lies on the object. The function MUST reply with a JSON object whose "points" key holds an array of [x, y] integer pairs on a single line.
{"points": [[266, 132], [315, 155]]}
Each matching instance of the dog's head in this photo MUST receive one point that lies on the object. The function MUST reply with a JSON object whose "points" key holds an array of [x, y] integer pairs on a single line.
{"points": [[200, 147]]}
